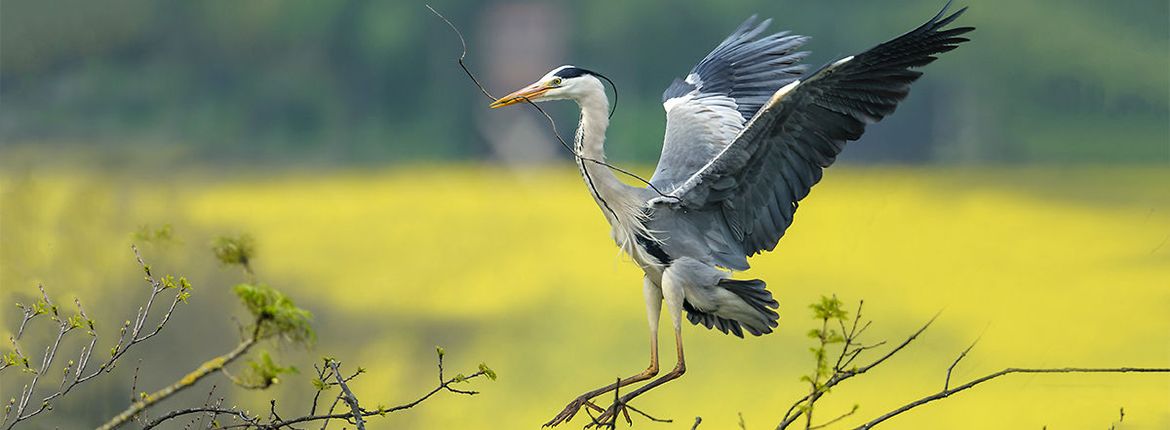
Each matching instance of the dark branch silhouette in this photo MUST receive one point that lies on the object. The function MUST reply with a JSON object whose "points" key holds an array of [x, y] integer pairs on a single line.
{"points": [[1011, 370], [328, 376], [851, 348]]}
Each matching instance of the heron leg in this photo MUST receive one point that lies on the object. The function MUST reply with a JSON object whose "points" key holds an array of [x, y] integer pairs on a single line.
{"points": [[653, 296], [673, 293]]}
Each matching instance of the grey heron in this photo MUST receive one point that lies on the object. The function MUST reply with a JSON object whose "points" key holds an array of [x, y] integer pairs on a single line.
{"points": [[748, 133]]}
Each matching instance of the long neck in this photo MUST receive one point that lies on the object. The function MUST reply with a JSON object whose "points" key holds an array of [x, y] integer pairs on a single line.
{"points": [[590, 143], [621, 203], [594, 121]]}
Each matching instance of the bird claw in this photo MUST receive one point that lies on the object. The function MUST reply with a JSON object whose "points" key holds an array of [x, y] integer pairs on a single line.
{"points": [[608, 419], [571, 410]]}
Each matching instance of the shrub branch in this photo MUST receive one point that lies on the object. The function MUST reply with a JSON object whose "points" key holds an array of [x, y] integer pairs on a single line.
{"points": [[74, 374], [1011, 370], [829, 309], [208, 367], [328, 376]]}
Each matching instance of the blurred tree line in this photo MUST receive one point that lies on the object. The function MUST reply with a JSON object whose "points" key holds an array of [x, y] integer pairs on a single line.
{"points": [[368, 81]]}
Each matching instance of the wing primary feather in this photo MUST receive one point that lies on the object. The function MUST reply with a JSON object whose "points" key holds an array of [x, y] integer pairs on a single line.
{"points": [[798, 128]]}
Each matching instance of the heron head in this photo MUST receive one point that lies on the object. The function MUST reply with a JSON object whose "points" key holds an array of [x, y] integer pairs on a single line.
{"points": [[565, 82]]}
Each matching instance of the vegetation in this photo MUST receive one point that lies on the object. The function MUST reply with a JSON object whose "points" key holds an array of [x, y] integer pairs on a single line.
{"points": [[1047, 266], [273, 316], [179, 121]]}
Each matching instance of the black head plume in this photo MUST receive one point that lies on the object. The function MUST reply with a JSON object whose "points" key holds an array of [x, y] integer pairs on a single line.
{"points": [[573, 72]]}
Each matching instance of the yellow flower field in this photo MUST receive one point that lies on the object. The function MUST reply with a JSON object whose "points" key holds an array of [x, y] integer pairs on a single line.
{"points": [[1048, 267]]}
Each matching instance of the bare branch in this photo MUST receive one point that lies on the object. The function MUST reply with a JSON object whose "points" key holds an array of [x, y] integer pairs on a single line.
{"points": [[330, 370], [948, 392], [835, 420], [794, 412], [947, 382], [208, 367], [349, 397], [896, 349], [551, 122], [648, 416]]}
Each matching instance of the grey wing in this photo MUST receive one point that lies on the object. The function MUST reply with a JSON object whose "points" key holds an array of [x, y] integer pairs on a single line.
{"points": [[708, 108], [748, 193]]}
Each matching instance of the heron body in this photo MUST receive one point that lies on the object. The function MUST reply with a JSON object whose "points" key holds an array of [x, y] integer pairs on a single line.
{"points": [[748, 133]]}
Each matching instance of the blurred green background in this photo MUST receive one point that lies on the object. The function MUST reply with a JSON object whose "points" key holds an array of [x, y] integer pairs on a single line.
{"points": [[372, 82], [1022, 188]]}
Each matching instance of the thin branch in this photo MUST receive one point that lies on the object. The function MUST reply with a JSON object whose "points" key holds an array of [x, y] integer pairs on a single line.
{"points": [[648, 416], [445, 386], [835, 420], [552, 123], [947, 382], [65, 325], [332, 407], [794, 413], [1012, 370], [896, 349], [208, 410], [208, 367], [199, 419], [211, 422], [331, 370], [134, 382], [350, 399]]}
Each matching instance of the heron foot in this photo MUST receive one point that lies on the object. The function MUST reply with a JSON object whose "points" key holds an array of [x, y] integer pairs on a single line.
{"points": [[621, 403], [585, 400], [608, 418]]}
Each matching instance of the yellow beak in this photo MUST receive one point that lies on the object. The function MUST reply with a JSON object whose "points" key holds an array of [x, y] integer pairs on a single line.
{"points": [[529, 93]]}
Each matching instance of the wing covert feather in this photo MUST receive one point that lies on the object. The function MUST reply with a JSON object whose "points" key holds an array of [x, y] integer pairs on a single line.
{"points": [[757, 181]]}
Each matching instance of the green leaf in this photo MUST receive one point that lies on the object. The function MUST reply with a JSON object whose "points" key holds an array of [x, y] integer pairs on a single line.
{"points": [[491, 374], [829, 308], [276, 314], [263, 372], [238, 250], [75, 321]]}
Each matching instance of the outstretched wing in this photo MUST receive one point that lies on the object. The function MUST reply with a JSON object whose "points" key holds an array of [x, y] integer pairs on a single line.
{"points": [[753, 185], [708, 108]]}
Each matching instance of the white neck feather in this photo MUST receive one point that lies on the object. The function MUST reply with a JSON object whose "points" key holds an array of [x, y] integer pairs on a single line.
{"points": [[621, 204]]}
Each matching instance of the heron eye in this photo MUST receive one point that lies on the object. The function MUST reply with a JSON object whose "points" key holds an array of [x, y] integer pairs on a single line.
{"points": [[556, 82]]}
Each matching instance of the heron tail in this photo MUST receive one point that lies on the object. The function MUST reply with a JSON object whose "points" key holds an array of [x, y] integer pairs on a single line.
{"points": [[753, 311]]}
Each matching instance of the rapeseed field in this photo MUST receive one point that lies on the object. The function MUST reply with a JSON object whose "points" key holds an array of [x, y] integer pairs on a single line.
{"points": [[1048, 267]]}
